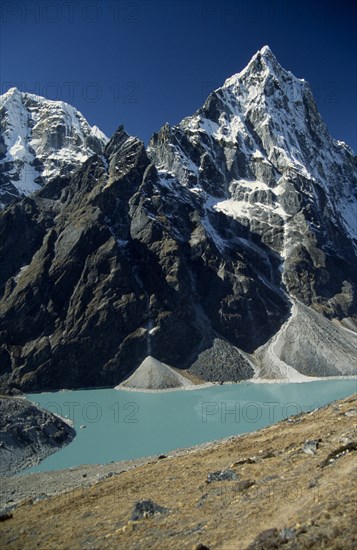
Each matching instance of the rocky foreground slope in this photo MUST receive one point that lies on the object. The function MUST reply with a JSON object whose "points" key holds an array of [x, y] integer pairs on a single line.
{"points": [[220, 249], [289, 486], [28, 434]]}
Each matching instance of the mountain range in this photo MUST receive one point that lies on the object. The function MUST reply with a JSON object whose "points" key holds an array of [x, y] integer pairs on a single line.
{"points": [[227, 247]]}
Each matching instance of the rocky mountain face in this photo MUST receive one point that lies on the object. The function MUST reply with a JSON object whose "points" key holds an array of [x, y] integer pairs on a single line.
{"points": [[28, 434], [40, 139], [228, 247]]}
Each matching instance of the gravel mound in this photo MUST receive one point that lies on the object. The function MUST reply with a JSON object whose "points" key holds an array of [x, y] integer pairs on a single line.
{"points": [[154, 375], [222, 362], [308, 344]]}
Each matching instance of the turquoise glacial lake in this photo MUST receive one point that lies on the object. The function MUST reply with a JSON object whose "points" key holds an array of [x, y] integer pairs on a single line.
{"points": [[121, 425]]}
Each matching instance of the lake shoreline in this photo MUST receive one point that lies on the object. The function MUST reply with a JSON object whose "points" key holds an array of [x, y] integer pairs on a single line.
{"points": [[119, 421], [305, 379], [39, 485], [204, 385], [178, 481]]}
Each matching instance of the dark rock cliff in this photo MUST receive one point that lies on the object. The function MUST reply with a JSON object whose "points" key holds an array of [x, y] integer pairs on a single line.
{"points": [[194, 251]]}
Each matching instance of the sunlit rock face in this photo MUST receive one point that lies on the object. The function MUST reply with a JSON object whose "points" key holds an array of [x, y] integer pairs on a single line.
{"points": [[227, 247]]}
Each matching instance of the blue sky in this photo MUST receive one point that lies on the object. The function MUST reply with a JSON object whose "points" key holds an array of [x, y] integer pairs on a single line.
{"points": [[143, 63]]}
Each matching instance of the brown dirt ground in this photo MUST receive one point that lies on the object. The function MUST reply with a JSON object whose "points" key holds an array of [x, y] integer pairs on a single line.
{"points": [[314, 496]]}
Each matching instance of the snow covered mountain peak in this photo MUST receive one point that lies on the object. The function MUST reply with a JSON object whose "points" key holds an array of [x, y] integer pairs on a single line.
{"points": [[263, 64], [8, 94], [40, 139], [265, 50], [259, 151]]}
